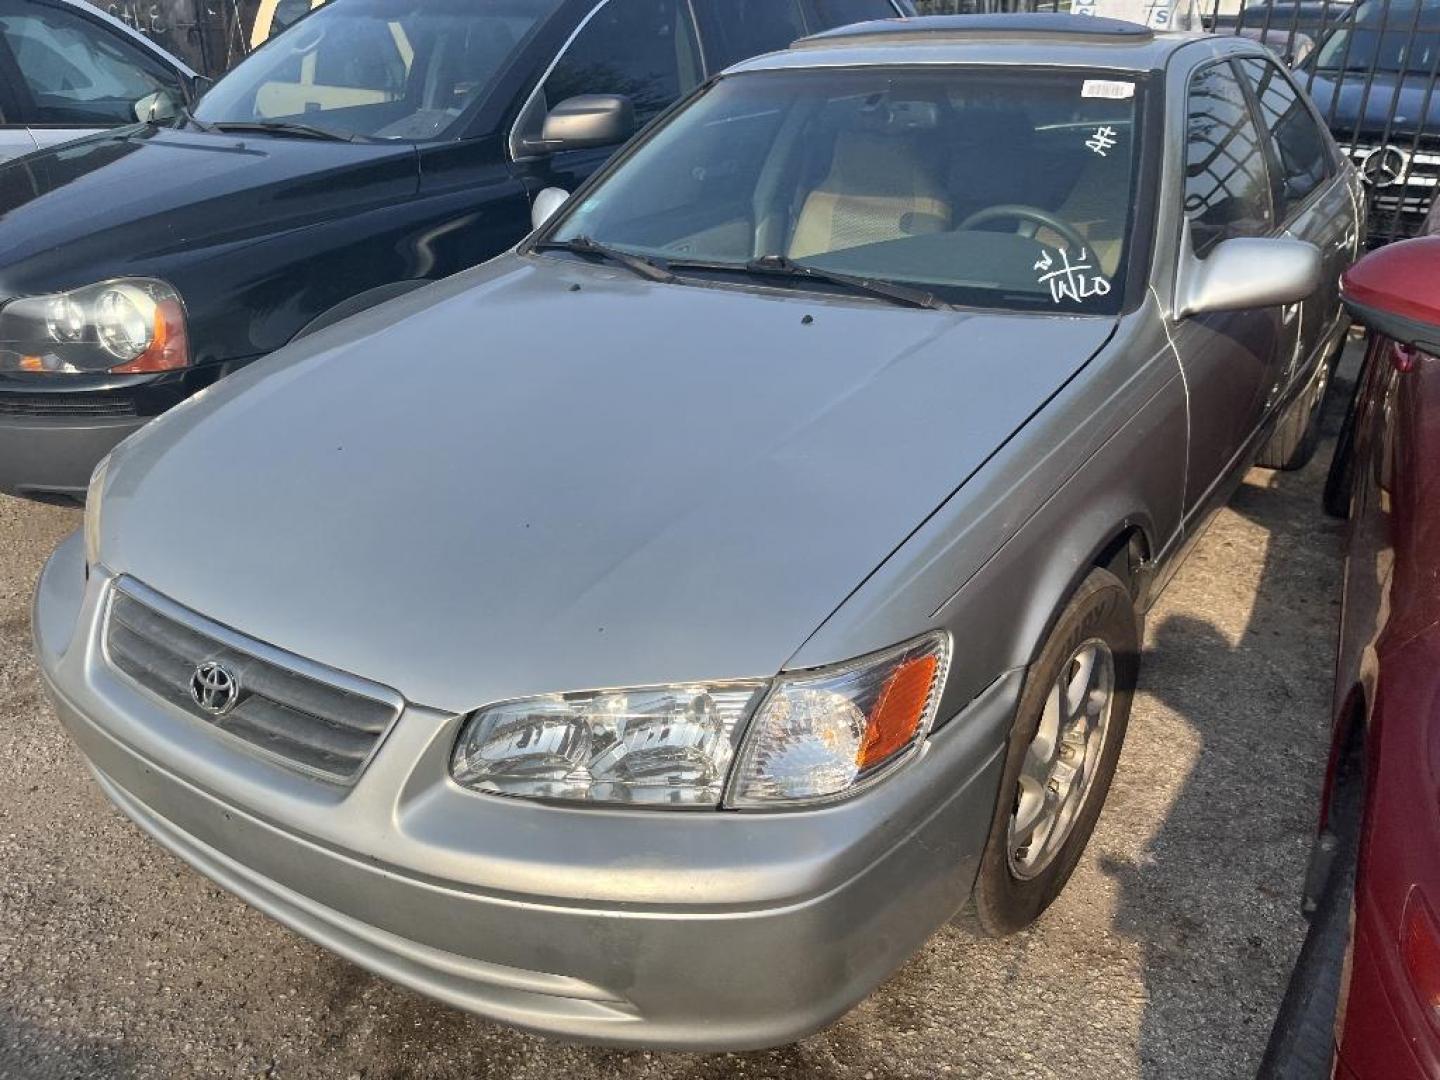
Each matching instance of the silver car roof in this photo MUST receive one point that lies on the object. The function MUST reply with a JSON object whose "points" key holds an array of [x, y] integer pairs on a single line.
{"points": [[970, 39]]}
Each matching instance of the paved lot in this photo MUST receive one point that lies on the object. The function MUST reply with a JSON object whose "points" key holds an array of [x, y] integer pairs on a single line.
{"points": [[1165, 958]]}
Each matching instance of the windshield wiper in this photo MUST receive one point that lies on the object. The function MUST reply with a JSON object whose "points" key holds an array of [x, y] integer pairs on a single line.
{"points": [[188, 119], [784, 266], [282, 127], [586, 245]]}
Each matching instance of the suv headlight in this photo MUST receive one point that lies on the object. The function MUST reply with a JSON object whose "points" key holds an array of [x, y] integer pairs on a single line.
{"points": [[811, 736], [126, 326]]}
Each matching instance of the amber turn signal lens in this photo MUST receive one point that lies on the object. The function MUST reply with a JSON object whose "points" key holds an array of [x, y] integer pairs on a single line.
{"points": [[169, 346], [898, 712]]}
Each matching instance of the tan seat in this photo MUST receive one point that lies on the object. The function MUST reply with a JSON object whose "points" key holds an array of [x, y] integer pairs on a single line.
{"points": [[880, 187]]}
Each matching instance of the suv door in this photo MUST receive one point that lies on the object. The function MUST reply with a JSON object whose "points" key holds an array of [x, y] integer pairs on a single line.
{"points": [[74, 74], [1232, 360], [1313, 202]]}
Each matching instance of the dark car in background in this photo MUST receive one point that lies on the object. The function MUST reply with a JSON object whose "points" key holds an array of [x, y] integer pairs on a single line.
{"points": [[1373, 76], [68, 69], [1365, 996], [373, 146]]}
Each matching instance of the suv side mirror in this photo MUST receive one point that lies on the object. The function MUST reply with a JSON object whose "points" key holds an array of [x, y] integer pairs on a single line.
{"points": [[1247, 272], [157, 106], [199, 86], [586, 121], [1392, 291]]}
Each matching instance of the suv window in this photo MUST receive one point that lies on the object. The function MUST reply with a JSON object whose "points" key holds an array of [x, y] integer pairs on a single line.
{"points": [[827, 14], [1227, 187], [377, 68], [1298, 142], [735, 30], [75, 72], [644, 49]]}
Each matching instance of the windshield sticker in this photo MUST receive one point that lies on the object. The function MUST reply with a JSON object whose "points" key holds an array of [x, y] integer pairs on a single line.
{"points": [[1103, 140], [1076, 281], [1114, 89]]}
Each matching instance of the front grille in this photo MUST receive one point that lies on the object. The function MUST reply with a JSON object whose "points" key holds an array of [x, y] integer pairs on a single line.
{"points": [[321, 721], [1398, 208], [61, 405]]}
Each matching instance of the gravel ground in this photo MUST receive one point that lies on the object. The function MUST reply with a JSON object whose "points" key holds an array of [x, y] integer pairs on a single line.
{"points": [[1165, 957]]}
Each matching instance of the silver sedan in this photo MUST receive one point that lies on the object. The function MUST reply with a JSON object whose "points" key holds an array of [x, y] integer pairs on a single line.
{"points": [[653, 635]]}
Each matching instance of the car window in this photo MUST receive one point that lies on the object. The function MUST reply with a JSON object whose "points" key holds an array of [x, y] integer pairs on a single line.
{"points": [[384, 69], [1298, 142], [988, 186], [76, 72], [735, 30], [643, 49], [826, 14], [1227, 187], [1388, 36]]}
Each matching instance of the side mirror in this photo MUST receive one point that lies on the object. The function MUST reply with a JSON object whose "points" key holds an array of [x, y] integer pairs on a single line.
{"points": [[586, 121], [199, 86], [1392, 291], [157, 106], [1247, 273], [545, 205]]}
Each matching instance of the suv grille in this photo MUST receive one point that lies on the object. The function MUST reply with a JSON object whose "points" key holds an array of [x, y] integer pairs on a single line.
{"points": [[1406, 185], [321, 721], [65, 405]]}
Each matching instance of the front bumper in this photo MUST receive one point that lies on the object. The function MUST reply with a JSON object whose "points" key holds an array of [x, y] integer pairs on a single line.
{"points": [[52, 458], [673, 929]]}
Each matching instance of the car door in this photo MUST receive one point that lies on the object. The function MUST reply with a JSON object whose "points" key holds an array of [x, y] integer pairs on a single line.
{"points": [[75, 74], [647, 50], [1232, 360], [1313, 201]]}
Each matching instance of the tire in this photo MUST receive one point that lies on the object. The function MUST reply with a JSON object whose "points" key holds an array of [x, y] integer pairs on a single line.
{"points": [[1292, 444], [1016, 884]]}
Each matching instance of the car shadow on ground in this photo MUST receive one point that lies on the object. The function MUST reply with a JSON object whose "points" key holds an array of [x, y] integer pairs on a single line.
{"points": [[1219, 870]]}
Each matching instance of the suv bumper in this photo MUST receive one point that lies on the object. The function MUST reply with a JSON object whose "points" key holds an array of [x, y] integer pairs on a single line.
{"points": [[51, 459], [673, 929]]}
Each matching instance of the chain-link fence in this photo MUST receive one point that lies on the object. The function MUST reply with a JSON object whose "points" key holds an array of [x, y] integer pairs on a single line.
{"points": [[1371, 68]]}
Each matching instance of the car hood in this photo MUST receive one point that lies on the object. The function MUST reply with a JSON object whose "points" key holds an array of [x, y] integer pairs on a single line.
{"points": [[70, 211], [549, 476], [1405, 96]]}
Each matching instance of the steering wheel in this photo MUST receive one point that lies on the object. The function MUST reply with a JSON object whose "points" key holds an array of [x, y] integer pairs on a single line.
{"points": [[1032, 214]]}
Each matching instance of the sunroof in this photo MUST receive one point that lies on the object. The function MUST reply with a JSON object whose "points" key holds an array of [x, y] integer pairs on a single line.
{"points": [[1031, 24]]}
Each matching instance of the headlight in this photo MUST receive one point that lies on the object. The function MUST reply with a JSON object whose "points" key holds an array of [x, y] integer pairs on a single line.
{"points": [[127, 326], [814, 736], [668, 745], [94, 497], [827, 733]]}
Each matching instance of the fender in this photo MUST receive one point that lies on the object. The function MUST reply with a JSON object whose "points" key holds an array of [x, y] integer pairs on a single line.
{"points": [[358, 303]]}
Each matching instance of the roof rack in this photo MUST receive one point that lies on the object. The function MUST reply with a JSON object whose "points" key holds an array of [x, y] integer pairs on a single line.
{"points": [[941, 28]]}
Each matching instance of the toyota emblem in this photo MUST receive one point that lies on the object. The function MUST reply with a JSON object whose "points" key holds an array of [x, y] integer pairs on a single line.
{"points": [[1384, 166], [214, 688]]}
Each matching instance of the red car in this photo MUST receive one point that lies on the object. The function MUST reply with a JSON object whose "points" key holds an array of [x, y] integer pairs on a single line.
{"points": [[1364, 1002]]}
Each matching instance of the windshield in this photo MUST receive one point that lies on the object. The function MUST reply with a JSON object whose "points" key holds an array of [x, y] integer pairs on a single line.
{"points": [[1398, 43], [381, 69], [985, 186]]}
